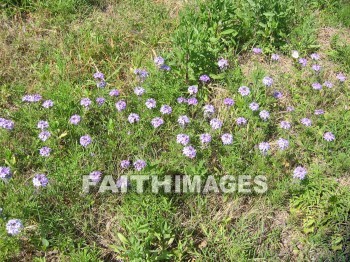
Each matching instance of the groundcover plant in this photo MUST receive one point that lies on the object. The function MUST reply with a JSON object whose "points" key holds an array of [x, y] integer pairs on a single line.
{"points": [[174, 131]]}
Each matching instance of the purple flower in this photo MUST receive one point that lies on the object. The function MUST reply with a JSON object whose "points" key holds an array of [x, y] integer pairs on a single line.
{"points": [[208, 110], [264, 115], [244, 90], [254, 106], [139, 164], [32, 98], [75, 119], [124, 164], [165, 67], [290, 108], [5, 172], [6, 124], [101, 84], [192, 101], [157, 122], [283, 143], [204, 79], [40, 180], [241, 121], [189, 151], [85, 140], [257, 50], [285, 125], [275, 57], [264, 147], [14, 227], [306, 121], [122, 182], [100, 101], [151, 103], [315, 56], [95, 176], [99, 76], [44, 135], [319, 112], [192, 90], [317, 86], [43, 124], [328, 136], [141, 74], [120, 105], [114, 92], [223, 63], [139, 91], [316, 67], [267, 81], [47, 104], [341, 77], [159, 61], [45, 151], [303, 62], [229, 101], [277, 94], [181, 100], [133, 118], [182, 139], [226, 139], [183, 120], [85, 102], [299, 172], [166, 110], [328, 84], [215, 123], [205, 138]]}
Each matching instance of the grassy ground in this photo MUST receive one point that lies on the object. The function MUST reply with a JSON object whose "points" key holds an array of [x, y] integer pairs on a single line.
{"points": [[54, 47]]}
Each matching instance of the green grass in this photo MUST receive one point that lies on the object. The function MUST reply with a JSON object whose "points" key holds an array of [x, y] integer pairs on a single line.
{"points": [[54, 47]]}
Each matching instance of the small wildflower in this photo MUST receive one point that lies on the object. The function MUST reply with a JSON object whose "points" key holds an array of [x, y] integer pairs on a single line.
{"points": [[306, 121], [264, 115], [120, 105], [317, 86], [75, 119], [6, 124], [328, 136], [241, 121], [139, 91], [204, 79], [303, 62], [159, 61], [215, 123], [223, 63], [43, 124], [328, 84], [264, 147], [319, 112], [85, 140], [165, 67], [192, 101], [151, 103], [229, 101], [290, 108], [341, 77], [181, 100], [95, 176], [141, 74], [267, 81], [32, 98], [133, 118], [244, 90], [44, 135], [189, 151], [315, 56], [205, 138], [5, 172], [183, 120], [277, 94], [257, 50], [157, 122], [47, 104], [316, 67], [254, 106], [100, 101], [14, 227], [208, 110], [99, 76], [122, 182], [45, 151], [85, 102], [139, 164], [285, 125], [101, 84], [40, 180], [226, 139], [114, 92], [124, 164], [275, 57], [166, 110], [192, 90], [299, 172], [283, 143], [182, 139]]}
